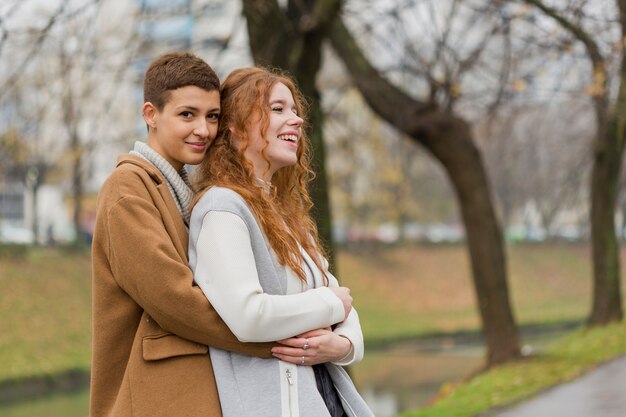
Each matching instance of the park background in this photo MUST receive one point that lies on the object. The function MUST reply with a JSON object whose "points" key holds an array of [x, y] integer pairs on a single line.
{"points": [[461, 148]]}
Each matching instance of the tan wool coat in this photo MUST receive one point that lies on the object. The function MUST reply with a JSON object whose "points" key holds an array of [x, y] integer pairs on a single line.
{"points": [[151, 323]]}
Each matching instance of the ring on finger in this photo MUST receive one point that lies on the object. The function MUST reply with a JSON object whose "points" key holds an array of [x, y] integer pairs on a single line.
{"points": [[306, 344], [302, 361]]}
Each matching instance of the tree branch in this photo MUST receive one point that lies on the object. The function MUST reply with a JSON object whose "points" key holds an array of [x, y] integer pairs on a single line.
{"points": [[391, 103], [578, 32], [11, 82], [311, 15]]}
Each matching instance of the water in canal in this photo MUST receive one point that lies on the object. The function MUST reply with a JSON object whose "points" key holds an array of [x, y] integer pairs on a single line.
{"points": [[404, 378]]}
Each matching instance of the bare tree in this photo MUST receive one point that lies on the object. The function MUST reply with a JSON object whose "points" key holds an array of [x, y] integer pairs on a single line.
{"points": [[430, 120], [581, 24]]}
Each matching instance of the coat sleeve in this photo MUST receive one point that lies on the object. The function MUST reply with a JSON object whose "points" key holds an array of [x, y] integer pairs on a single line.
{"points": [[147, 266]]}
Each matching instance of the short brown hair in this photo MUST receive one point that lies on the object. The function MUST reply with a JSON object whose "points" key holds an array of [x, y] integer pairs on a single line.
{"points": [[175, 70]]}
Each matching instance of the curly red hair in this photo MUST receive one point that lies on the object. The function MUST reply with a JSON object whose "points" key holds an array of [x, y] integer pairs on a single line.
{"points": [[244, 97]]}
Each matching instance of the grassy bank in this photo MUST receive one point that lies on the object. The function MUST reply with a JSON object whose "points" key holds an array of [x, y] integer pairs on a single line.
{"points": [[412, 291], [565, 359], [45, 306]]}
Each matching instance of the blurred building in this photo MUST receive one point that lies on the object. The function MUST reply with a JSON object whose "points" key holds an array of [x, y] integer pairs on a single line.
{"points": [[163, 25], [13, 216], [25, 220]]}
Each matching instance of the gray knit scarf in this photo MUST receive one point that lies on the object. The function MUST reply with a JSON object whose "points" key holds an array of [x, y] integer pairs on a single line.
{"points": [[177, 182]]}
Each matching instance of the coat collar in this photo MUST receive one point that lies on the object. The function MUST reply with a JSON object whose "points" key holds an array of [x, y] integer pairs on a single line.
{"points": [[153, 171]]}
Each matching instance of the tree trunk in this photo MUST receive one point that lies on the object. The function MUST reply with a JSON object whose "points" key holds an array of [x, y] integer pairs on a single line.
{"points": [[319, 187], [607, 159], [607, 305], [608, 151], [77, 188], [33, 182], [449, 139]]}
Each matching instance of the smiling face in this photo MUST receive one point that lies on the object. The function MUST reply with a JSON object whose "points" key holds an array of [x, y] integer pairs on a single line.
{"points": [[182, 131], [276, 147]]}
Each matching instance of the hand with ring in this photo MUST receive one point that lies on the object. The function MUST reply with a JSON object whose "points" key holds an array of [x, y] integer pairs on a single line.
{"points": [[312, 348]]}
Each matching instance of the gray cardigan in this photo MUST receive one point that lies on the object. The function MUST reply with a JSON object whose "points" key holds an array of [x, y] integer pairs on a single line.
{"points": [[252, 386]]}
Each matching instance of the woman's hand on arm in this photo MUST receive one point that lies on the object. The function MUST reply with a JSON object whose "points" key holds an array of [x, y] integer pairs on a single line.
{"points": [[313, 347], [343, 293]]}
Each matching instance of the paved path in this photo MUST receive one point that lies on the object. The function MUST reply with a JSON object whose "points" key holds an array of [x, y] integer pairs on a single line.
{"points": [[600, 393]]}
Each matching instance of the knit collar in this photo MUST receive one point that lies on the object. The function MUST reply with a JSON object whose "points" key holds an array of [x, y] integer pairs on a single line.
{"points": [[177, 182]]}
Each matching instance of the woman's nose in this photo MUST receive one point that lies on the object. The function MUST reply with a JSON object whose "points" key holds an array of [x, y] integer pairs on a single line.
{"points": [[296, 120], [202, 129]]}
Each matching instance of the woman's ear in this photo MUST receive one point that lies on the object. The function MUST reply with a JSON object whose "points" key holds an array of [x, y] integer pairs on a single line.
{"points": [[234, 135], [149, 112]]}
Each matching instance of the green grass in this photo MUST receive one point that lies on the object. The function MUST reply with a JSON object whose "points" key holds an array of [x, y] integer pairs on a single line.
{"points": [[565, 359], [411, 291], [45, 306]]}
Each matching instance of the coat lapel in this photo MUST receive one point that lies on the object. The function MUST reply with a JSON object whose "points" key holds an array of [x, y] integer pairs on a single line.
{"points": [[174, 225], [180, 234]]}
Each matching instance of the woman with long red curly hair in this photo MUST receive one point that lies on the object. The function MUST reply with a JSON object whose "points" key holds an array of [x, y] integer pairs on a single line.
{"points": [[256, 255]]}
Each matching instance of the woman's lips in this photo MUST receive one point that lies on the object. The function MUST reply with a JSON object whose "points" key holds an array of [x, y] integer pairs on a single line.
{"points": [[198, 146]]}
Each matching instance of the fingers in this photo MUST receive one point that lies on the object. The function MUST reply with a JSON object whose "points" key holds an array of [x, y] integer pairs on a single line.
{"points": [[315, 333], [298, 348], [297, 360], [293, 351], [299, 342], [328, 348], [296, 355], [296, 342]]}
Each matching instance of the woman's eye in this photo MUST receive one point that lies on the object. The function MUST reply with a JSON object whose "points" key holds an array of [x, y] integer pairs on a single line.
{"points": [[277, 109], [186, 114], [213, 116]]}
